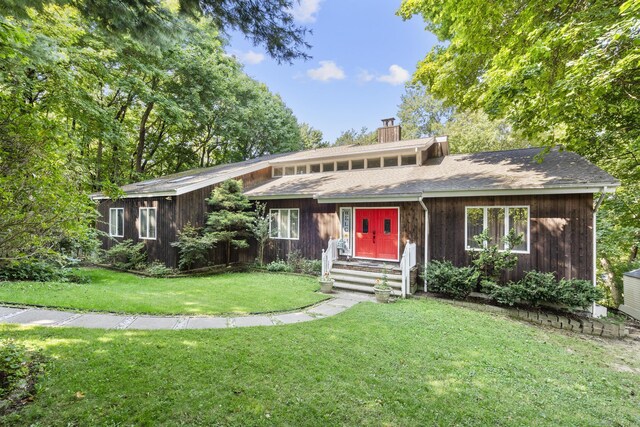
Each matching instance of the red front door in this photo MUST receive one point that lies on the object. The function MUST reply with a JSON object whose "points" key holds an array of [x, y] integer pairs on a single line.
{"points": [[377, 233]]}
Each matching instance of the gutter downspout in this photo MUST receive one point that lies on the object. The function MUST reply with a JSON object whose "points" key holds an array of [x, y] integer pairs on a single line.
{"points": [[426, 237], [597, 310]]}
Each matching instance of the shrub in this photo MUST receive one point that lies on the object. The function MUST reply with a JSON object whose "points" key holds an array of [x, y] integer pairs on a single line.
{"points": [[19, 368], [279, 265], [295, 260], [577, 293], [444, 278], [126, 255], [312, 266], [74, 276], [491, 261], [158, 269], [33, 269], [193, 248]]}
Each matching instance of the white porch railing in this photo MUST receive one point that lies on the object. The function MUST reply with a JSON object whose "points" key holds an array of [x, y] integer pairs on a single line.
{"points": [[407, 262], [328, 256]]}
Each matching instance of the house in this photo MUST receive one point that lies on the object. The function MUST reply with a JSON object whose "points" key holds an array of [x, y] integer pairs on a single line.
{"points": [[399, 202]]}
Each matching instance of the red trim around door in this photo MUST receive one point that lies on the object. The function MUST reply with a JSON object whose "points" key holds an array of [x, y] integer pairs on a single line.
{"points": [[377, 233]]}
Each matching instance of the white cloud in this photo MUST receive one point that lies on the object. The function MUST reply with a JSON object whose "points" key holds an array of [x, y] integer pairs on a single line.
{"points": [[251, 57], [328, 70], [305, 11], [364, 76], [397, 76]]}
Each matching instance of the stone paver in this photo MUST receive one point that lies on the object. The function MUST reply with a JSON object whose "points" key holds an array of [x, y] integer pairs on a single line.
{"points": [[43, 317], [293, 318], [39, 317], [206, 323], [6, 312], [252, 321], [154, 322], [327, 310], [94, 320]]}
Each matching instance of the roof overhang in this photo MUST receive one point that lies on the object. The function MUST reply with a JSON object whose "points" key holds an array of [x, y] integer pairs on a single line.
{"points": [[590, 189]]}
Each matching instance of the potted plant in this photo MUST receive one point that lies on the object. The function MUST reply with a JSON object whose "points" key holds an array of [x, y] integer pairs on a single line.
{"points": [[382, 288], [326, 283]]}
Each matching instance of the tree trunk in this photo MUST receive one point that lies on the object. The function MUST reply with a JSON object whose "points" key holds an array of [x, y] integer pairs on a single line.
{"points": [[142, 136], [610, 281], [228, 252]]}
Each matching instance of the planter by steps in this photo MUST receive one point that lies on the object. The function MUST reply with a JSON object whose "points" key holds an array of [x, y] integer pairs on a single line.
{"points": [[382, 294], [326, 285]]}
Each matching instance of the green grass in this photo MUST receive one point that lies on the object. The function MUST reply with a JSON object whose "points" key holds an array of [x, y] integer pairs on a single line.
{"points": [[408, 363], [237, 293]]}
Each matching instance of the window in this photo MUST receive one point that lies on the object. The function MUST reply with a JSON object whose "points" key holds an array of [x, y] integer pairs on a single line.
{"points": [[147, 223], [498, 221], [390, 161], [116, 222], [342, 166], [301, 170], [365, 225], [327, 167], [408, 160], [284, 224], [373, 163], [314, 168], [277, 171], [289, 170], [357, 164], [387, 226]]}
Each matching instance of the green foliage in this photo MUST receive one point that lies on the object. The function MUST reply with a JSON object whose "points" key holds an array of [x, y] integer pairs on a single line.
{"points": [[561, 73], [311, 138], [126, 255], [260, 229], [158, 269], [354, 137], [19, 369], [279, 266], [420, 114], [33, 269], [536, 288], [230, 221], [444, 278], [193, 248], [490, 260]]}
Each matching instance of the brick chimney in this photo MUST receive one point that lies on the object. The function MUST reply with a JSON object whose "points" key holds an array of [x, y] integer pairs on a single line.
{"points": [[389, 132]]}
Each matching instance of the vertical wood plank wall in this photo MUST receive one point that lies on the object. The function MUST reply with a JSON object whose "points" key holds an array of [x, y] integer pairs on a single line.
{"points": [[561, 232]]}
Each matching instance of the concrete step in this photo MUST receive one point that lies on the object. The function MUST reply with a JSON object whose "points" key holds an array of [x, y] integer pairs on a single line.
{"points": [[368, 281], [369, 274], [359, 288]]}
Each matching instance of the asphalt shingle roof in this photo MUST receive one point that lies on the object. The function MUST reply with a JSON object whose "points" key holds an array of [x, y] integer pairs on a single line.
{"points": [[499, 170]]}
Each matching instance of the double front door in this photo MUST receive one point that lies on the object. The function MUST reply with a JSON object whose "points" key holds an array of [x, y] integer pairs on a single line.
{"points": [[377, 233]]}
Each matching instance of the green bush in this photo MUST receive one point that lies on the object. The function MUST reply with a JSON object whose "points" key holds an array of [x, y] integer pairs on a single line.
{"points": [[279, 265], [536, 287], [158, 269], [577, 293], [126, 255], [19, 368], [444, 278], [193, 247], [37, 270], [311, 266]]}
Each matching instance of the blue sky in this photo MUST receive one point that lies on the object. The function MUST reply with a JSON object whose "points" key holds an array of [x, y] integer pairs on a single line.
{"points": [[362, 54]]}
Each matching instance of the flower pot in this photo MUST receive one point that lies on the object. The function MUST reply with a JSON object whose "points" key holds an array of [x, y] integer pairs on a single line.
{"points": [[326, 286], [382, 295]]}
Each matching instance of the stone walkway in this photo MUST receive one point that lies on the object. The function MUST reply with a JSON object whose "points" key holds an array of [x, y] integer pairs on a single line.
{"points": [[46, 317]]}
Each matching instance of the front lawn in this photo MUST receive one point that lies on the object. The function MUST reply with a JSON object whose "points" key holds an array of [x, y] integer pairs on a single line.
{"points": [[408, 363], [237, 293]]}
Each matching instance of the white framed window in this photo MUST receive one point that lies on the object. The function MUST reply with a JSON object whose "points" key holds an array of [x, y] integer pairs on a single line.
{"points": [[116, 222], [284, 224], [148, 227], [498, 221]]}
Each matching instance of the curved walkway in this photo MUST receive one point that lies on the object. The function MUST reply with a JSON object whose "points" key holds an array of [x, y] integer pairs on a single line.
{"points": [[31, 316]]}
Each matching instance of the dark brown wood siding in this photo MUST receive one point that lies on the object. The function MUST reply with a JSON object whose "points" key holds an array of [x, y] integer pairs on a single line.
{"points": [[320, 222], [173, 214], [561, 232], [159, 249]]}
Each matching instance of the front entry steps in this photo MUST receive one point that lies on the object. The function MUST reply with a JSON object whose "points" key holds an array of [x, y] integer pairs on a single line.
{"points": [[361, 275]]}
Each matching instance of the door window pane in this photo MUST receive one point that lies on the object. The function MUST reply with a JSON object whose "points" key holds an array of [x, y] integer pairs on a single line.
{"points": [[365, 225], [387, 226]]}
